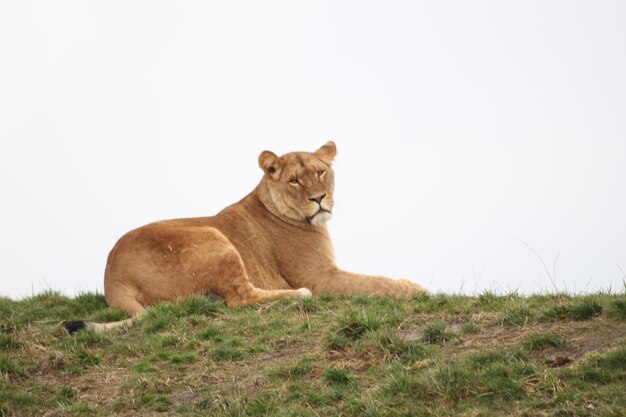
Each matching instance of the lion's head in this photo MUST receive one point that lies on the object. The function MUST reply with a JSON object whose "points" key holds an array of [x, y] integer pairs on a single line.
{"points": [[301, 184]]}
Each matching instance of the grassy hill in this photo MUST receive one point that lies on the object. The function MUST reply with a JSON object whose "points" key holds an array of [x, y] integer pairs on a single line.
{"points": [[430, 355]]}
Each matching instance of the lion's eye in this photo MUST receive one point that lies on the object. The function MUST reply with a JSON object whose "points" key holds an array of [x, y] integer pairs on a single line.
{"points": [[294, 181], [321, 173]]}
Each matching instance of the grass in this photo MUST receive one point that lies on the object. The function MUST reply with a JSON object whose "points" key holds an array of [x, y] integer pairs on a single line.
{"points": [[436, 332], [428, 355], [544, 341], [338, 376]]}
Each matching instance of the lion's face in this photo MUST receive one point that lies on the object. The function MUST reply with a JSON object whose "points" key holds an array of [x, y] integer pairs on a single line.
{"points": [[301, 184]]}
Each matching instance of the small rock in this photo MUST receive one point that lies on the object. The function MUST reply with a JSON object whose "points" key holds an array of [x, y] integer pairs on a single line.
{"points": [[559, 362]]}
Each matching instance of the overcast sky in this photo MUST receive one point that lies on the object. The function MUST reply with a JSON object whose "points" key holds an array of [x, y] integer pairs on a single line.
{"points": [[466, 131]]}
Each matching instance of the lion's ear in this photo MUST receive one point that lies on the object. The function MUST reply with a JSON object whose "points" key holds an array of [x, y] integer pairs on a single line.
{"points": [[270, 164], [327, 152]]}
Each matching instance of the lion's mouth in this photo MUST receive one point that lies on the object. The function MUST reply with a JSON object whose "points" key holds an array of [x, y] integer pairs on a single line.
{"points": [[321, 210]]}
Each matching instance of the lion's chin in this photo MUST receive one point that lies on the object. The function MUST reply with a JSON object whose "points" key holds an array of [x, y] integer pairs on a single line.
{"points": [[320, 217]]}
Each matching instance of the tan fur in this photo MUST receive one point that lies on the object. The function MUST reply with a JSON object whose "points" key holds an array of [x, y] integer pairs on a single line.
{"points": [[264, 247]]}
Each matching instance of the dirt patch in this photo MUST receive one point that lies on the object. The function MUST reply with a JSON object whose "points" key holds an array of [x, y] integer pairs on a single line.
{"points": [[186, 398], [580, 337], [99, 387]]}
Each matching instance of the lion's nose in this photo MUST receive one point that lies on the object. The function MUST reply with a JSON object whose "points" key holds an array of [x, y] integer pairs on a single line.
{"points": [[318, 199]]}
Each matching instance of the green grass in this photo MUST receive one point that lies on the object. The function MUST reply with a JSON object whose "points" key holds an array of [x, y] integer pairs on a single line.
{"points": [[338, 376], [7, 366], [428, 355], [581, 309], [544, 341], [436, 333], [356, 324]]}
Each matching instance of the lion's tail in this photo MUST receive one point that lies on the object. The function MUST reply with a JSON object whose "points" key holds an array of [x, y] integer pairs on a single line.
{"points": [[73, 326], [117, 296]]}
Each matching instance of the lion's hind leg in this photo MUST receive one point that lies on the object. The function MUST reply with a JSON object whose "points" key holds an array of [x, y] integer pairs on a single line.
{"points": [[237, 289], [234, 286]]}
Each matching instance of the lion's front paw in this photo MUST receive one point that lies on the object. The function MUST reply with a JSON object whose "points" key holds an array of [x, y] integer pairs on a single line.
{"points": [[304, 292]]}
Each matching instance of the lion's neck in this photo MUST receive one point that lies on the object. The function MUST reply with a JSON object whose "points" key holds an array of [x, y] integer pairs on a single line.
{"points": [[262, 193]]}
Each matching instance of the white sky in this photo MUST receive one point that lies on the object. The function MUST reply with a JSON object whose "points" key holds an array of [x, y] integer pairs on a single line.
{"points": [[460, 127]]}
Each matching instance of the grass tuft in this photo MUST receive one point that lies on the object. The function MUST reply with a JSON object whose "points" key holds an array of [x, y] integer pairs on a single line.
{"points": [[470, 328], [338, 376], [518, 316], [202, 306], [398, 348], [586, 310], [619, 309], [227, 353], [7, 366], [355, 324], [8, 342], [155, 402], [436, 333], [544, 341]]}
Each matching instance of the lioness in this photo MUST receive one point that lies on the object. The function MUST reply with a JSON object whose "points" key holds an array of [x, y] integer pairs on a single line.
{"points": [[272, 244]]}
